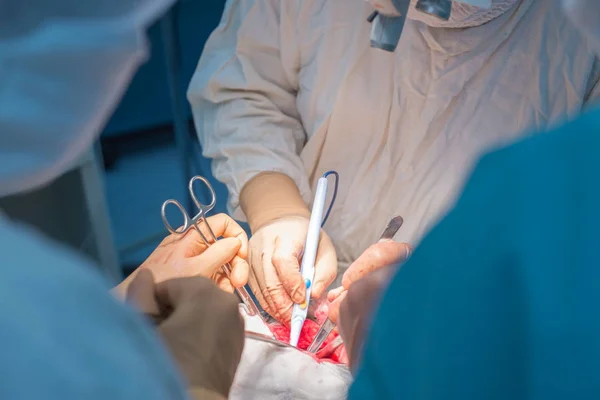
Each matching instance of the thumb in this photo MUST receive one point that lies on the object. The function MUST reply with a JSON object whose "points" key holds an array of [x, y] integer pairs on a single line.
{"points": [[325, 267], [213, 258], [334, 307], [335, 293], [286, 260], [140, 293]]}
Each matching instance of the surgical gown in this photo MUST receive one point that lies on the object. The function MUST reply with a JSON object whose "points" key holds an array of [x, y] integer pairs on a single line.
{"points": [[63, 335], [501, 299], [294, 87]]}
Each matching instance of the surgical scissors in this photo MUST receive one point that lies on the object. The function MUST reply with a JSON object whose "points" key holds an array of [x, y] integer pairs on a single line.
{"points": [[194, 222]]}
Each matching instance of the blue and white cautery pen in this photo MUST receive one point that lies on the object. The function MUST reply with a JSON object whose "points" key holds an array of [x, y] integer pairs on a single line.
{"points": [[307, 269]]}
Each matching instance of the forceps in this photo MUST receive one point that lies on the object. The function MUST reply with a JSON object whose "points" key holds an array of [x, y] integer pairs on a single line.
{"points": [[192, 223]]}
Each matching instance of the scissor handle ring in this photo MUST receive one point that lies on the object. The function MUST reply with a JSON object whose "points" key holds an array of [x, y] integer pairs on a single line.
{"points": [[202, 207], [186, 219]]}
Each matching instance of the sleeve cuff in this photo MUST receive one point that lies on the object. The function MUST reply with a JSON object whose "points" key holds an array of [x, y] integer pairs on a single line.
{"points": [[233, 203]]}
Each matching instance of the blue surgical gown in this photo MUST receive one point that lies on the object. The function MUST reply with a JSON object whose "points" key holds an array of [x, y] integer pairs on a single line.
{"points": [[502, 298], [64, 337]]}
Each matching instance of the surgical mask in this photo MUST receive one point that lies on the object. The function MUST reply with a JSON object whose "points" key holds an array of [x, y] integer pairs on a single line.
{"points": [[62, 75], [463, 14], [390, 16], [585, 14]]}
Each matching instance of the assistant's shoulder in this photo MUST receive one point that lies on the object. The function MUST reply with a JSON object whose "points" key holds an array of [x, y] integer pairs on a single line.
{"points": [[574, 143], [64, 331], [513, 176]]}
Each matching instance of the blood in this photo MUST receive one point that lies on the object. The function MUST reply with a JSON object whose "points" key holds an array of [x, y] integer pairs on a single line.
{"points": [[307, 334]]}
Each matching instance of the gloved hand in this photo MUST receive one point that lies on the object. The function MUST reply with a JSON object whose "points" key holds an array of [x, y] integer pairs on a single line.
{"points": [[275, 252], [200, 324], [380, 255], [181, 256], [356, 310]]}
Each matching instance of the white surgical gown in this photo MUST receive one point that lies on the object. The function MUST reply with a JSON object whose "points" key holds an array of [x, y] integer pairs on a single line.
{"points": [[293, 86], [64, 336]]}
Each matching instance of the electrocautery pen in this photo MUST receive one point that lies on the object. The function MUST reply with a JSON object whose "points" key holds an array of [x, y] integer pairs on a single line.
{"points": [[299, 311]]}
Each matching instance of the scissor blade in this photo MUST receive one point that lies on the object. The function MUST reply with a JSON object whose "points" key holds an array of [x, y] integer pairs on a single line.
{"points": [[391, 228], [324, 331]]}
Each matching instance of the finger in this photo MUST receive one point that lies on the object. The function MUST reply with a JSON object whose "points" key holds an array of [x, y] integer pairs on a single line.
{"points": [[335, 293], [280, 303], [344, 323], [286, 260], [140, 293], [239, 273], [334, 307], [263, 260], [325, 267], [256, 278], [222, 225], [224, 284], [255, 287], [356, 311], [352, 318], [209, 262], [377, 256], [357, 343]]}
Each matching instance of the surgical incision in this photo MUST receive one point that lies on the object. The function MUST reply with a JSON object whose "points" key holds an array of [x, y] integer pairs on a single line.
{"points": [[309, 331]]}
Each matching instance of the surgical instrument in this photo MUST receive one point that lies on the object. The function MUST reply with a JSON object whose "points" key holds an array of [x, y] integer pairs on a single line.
{"points": [[328, 350], [193, 223], [388, 233], [307, 269]]}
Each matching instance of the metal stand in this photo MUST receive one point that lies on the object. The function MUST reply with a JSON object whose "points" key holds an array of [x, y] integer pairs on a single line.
{"points": [[182, 133], [92, 178], [72, 210]]}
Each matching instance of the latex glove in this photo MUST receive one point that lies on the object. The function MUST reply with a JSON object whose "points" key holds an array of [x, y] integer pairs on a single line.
{"points": [[275, 253], [182, 256], [200, 324], [380, 255], [356, 310]]}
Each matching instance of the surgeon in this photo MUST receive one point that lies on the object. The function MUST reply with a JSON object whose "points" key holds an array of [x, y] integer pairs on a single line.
{"points": [[65, 65], [287, 90], [500, 300]]}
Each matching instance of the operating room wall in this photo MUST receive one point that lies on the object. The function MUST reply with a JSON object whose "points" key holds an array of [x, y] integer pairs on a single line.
{"points": [[146, 104], [147, 170]]}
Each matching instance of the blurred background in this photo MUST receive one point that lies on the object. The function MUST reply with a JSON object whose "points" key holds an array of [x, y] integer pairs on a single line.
{"points": [[108, 205]]}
